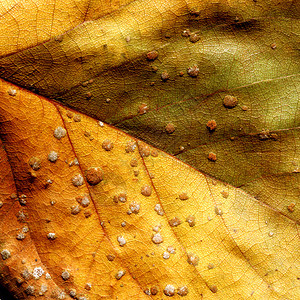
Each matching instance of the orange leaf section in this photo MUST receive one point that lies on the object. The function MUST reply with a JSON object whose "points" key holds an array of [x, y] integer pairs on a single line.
{"points": [[22, 264], [127, 221]]}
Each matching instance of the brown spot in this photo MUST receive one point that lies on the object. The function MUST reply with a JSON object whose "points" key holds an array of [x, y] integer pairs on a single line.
{"points": [[87, 214], [213, 288], [143, 109], [154, 69], [75, 209], [77, 118], [152, 83], [244, 107], [107, 145], [291, 207], [94, 176], [88, 286], [35, 163], [183, 196], [69, 115], [193, 71], [211, 125], [191, 220], [144, 150], [110, 257], [225, 194], [174, 222], [210, 266], [193, 259], [212, 156], [181, 73], [230, 101], [146, 190], [134, 162], [170, 128], [273, 46], [165, 76], [186, 33], [152, 55], [122, 197], [154, 153], [136, 173], [182, 291], [194, 38], [87, 134], [130, 146], [88, 95], [154, 290]]}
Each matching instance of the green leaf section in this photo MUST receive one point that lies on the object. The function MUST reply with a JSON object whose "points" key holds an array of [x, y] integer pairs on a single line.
{"points": [[205, 51]]}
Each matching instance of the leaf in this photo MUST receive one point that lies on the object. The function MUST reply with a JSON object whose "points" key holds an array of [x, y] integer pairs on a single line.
{"points": [[132, 64], [248, 50], [232, 247]]}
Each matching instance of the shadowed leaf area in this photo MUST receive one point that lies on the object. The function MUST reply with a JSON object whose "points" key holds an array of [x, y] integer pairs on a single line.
{"points": [[150, 149]]}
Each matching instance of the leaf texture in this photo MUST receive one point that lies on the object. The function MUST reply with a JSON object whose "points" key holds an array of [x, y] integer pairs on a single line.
{"points": [[232, 247]]}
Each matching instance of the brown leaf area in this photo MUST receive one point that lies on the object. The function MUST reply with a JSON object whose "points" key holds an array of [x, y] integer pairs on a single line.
{"points": [[148, 226]]}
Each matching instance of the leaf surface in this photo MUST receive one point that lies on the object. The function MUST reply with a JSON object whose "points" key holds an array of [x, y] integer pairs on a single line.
{"points": [[156, 74], [236, 246]]}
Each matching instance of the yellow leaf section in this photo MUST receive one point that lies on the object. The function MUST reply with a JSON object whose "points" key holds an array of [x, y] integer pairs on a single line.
{"points": [[20, 271], [248, 250], [81, 244], [27, 23], [253, 248]]}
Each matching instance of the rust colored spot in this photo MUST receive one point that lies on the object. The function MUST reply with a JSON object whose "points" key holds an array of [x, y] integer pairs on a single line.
{"points": [[69, 115], [35, 163], [170, 128], [130, 146], [134, 162], [213, 288], [225, 194], [174, 222], [88, 95], [165, 76], [211, 125], [87, 214], [183, 196], [182, 291], [181, 74], [143, 109], [194, 38], [107, 145], [122, 197], [110, 257], [77, 118], [154, 69], [144, 150], [94, 176], [152, 55], [191, 220], [186, 33], [291, 207], [212, 156], [193, 71], [154, 290], [273, 46], [193, 259], [154, 153], [146, 190], [244, 107], [230, 101]]}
